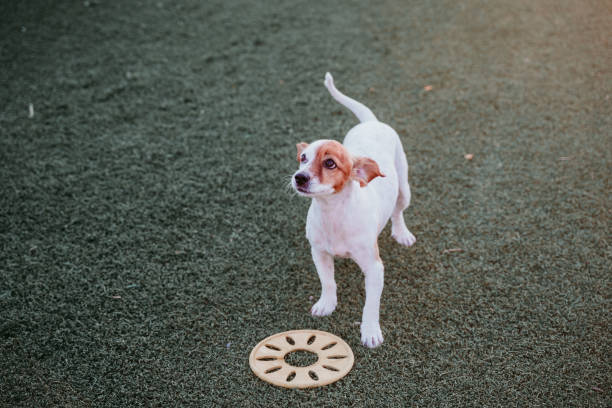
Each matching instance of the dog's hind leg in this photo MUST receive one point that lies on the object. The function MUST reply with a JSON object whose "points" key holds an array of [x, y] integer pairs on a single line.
{"points": [[399, 231]]}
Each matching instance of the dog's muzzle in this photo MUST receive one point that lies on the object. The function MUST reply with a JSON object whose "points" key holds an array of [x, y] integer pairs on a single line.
{"points": [[301, 179]]}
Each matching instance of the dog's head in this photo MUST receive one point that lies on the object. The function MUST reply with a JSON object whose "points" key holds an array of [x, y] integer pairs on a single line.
{"points": [[326, 167]]}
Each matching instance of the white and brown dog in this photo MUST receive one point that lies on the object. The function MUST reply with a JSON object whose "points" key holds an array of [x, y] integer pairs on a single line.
{"points": [[355, 188]]}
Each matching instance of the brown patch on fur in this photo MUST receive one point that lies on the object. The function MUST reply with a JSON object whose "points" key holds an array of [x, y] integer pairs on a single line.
{"points": [[300, 148], [365, 170], [338, 176], [376, 252]]}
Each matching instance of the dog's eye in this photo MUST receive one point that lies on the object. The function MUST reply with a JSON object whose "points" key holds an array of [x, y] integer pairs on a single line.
{"points": [[303, 158], [329, 164]]}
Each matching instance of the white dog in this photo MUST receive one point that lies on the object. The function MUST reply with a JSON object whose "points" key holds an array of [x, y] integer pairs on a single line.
{"points": [[355, 188]]}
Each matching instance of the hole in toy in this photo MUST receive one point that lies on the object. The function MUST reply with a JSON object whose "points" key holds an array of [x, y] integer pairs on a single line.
{"points": [[291, 376], [290, 340], [271, 347], [266, 358], [273, 369], [311, 339], [301, 358], [336, 357], [330, 345], [313, 375], [330, 368]]}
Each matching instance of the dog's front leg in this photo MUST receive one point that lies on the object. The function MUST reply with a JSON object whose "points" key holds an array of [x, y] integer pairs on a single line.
{"points": [[374, 271], [324, 263]]}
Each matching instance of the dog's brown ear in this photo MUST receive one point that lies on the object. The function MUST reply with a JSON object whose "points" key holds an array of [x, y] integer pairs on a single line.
{"points": [[365, 170], [300, 147]]}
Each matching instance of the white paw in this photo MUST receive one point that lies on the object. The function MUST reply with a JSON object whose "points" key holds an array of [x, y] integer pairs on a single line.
{"points": [[404, 237], [324, 307], [371, 336]]}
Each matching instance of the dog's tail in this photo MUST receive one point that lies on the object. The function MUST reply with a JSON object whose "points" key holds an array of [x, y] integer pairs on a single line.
{"points": [[363, 113]]}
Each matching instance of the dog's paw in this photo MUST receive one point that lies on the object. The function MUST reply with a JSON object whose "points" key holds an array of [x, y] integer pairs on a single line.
{"points": [[371, 336], [404, 237], [324, 307]]}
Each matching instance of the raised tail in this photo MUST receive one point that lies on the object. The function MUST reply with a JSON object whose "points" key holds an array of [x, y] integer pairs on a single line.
{"points": [[363, 113]]}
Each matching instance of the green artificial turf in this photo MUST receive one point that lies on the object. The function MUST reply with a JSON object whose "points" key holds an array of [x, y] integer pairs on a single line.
{"points": [[149, 240]]}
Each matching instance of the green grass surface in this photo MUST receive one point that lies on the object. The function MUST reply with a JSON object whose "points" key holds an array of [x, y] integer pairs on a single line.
{"points": [[148, 240]]}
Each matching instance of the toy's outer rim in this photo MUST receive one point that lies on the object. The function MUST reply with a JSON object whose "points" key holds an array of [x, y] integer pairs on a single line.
{"points": [[302, 378]]}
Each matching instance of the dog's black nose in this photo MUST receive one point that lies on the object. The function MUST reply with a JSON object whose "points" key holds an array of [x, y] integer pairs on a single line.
{"points": [[301, 179]]}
